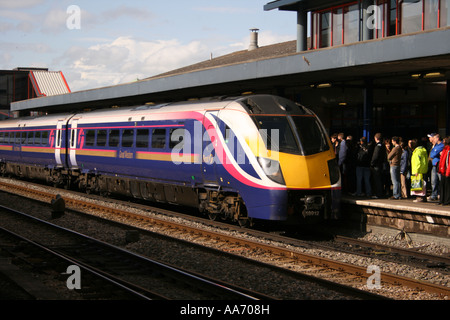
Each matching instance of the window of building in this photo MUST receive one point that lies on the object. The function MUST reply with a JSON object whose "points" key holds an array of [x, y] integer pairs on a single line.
{"points": [[325, 29], [159, 138], [341, 24], [411, 17], [431, 14], [351, 23], [338, 24], [393, 18], [444, 10]]}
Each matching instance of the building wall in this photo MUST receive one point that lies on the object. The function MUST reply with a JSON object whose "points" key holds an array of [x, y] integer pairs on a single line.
{"points": [[341, 24]]}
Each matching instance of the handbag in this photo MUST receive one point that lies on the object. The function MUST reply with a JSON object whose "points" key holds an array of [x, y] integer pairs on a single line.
{"points": [[417, 182]]}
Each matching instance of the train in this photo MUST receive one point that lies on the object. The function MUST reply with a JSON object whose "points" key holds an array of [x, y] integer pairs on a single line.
{"points": [[244, 159]]}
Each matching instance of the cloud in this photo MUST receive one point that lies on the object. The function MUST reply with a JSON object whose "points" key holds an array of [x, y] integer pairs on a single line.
{"points": [[126, 59], [126, 11], [226, 10], [19, 4]]}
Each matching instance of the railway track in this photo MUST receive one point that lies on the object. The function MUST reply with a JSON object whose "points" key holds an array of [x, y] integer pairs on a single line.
{"points": [[126, 274], [390, 253], [318, 266]]}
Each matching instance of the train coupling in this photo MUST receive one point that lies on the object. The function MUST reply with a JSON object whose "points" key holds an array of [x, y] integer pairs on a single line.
{"points": [[313, 205]]}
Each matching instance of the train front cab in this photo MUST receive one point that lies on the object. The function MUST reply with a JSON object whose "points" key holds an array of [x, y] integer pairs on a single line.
{"points": [[308, 167]]}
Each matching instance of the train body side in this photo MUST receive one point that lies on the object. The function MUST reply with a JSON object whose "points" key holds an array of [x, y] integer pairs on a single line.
{"points": [[209, 155]]}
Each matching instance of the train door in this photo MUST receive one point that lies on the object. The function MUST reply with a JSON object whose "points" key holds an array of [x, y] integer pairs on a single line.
{"points": [[58, 143], [73, 144], [209, 157]]}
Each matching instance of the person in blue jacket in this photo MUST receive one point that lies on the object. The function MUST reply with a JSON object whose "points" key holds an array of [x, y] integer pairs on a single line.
{"points": [[435, 155]]}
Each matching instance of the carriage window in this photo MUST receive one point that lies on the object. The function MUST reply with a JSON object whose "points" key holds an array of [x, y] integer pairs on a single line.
{"points": [[30, 138], [37, 137], [90, 137], [6, 140], [176, 138], [127, 138], [114, 138], [159, 138], [44, 137], [2, 137], [101, 138], [20, 137], [142, 138]]}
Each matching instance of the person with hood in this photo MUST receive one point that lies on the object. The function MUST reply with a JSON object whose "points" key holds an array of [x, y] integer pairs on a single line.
{"points": [[419, 168]]}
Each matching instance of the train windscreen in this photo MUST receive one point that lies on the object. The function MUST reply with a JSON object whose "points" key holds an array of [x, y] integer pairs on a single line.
{"points": [[310, 132], [279, 134]]}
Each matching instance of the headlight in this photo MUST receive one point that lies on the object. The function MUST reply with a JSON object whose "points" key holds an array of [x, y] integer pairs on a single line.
{"points": [[272, 169]]}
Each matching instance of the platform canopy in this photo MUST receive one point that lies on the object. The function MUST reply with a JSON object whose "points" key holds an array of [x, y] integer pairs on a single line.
{"points": [[294, 5]]}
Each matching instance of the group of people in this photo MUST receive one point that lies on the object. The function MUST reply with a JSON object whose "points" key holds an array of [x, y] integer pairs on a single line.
{"points": [[394, 167]]}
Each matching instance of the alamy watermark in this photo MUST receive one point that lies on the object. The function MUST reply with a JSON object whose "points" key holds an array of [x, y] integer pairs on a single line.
{"points": [[374, 281], [375, 17], [73, 21], [74, 279], [208, 148]]}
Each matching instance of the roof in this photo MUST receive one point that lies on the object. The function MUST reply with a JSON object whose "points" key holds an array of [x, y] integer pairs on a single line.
{"points": [[49, 83], [243, 56], [296, 5]]}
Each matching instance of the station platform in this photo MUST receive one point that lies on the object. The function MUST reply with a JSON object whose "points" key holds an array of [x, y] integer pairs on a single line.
{"points": [[404, 215]]}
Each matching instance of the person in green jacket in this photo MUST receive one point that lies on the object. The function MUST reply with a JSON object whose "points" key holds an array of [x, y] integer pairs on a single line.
{"points": [[419, 165]]}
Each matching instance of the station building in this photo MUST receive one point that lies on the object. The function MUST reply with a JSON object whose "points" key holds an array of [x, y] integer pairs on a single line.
{"points": [[27, 83], [363, 66]]}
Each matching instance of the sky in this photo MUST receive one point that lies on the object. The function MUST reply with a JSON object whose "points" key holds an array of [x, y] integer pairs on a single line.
{"points": [[100, 43]]}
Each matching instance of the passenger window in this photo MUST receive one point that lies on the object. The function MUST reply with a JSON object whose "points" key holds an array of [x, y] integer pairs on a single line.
{"points": [[127, 138], [90, 137], [142, 136], [44, 138], [113, 138], [159, 138], [6, 137], [101, 138], [2, 137], [176, 138], [37, 137], [30, 137], [20, 137]]}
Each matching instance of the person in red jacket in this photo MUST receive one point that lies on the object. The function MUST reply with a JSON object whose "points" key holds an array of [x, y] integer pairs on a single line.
{"points": [[444, 170]]}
